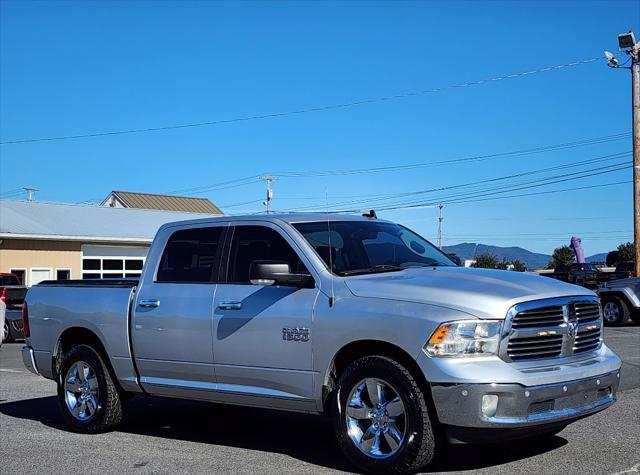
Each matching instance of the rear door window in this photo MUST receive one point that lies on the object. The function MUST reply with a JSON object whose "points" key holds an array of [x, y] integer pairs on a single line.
{"points": [[192, 256]]}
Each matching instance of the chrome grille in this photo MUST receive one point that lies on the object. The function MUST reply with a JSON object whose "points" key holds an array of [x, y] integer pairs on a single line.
{"points": [[587, 312], [587, 340], [540, 317], [535, 347], [551, 329]]}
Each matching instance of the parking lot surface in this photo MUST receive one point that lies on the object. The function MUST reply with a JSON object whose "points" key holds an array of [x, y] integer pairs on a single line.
{"points": [[169, 436]]}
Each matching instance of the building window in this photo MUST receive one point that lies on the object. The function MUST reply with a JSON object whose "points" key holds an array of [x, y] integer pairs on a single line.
{"points": [[20, 274], [63, 274]]}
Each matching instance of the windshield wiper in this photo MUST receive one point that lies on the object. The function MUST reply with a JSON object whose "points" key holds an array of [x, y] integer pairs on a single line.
{"points": [[373, 270]]}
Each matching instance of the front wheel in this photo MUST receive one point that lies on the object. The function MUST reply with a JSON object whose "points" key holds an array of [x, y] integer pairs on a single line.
{"points": [[381, 418], [615, 311], [87, 395]]}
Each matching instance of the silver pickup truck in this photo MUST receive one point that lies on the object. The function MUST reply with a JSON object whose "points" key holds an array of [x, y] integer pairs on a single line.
{"points": [[358, 318]]}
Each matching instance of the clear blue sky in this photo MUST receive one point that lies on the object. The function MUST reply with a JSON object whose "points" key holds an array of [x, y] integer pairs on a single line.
{"points": [[82, 67]]}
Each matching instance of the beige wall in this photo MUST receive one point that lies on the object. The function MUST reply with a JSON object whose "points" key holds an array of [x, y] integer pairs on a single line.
{"points": [[28, 254]]}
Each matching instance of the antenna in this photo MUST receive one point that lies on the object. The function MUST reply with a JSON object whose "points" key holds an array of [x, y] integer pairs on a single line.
{"points": [[332, 299]]}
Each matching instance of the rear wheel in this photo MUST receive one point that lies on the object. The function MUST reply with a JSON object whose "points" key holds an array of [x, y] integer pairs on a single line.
{"points": [[615, 311], [381, 418], [87, 395]]}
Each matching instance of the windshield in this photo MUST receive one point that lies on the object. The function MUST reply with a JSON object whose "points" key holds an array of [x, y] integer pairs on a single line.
{"points": [[359, 247]]}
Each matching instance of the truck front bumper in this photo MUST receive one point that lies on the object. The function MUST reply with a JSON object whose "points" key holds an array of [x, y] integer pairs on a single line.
{"points": [[526, 408], [29, 360]]}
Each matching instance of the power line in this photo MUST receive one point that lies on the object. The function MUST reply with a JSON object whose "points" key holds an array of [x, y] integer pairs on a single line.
{"points": [[12, 193], [433, 204], [386, 197], [252, 179], [249, 180], [307, 110], [473, 196], [473, 158], [523, 194], [221, 185]]}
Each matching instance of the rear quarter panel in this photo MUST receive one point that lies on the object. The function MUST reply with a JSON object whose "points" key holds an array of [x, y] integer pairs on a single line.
{"points": [[102, 310]]}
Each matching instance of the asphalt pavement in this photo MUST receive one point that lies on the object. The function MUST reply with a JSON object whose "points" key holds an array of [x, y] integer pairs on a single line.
{"points": [[170, 436]]}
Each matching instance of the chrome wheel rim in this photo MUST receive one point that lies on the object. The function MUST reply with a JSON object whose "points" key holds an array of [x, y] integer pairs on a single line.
{"points": [[5, 331], [611, 312], [375, 417], [81, 391]]}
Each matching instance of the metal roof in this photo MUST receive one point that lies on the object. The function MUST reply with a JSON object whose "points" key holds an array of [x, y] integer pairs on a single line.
{"points": [[165, 202], [41, 220]]}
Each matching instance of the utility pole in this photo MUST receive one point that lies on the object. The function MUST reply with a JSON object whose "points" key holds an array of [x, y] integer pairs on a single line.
{"points": [[440, 219], [30, 193], [635, 87], [268, 179], [627, 43]]}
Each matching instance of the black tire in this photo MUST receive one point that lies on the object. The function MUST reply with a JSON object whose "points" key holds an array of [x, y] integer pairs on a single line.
{"points": [[108, 408], [418, 446], [8, 337], [615, 310]]}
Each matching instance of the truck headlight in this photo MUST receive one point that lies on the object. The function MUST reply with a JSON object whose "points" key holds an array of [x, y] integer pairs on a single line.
{"points": [[465, 338]]}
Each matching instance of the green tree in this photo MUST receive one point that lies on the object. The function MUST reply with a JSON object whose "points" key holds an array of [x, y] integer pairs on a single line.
{"points": [[518, 266], [502, 265], [563, 256], [486, 261], [626, 252]]}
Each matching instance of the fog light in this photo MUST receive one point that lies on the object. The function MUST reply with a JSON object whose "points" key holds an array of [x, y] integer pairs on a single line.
{"points": [[489, 405]]}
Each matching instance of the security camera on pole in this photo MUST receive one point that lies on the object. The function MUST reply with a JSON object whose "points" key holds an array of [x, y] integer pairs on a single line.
{"points": [[627, 43]]}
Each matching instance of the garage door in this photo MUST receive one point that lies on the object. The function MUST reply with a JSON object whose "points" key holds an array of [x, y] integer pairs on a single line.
{"points": [[38, 275], [111, 262]]}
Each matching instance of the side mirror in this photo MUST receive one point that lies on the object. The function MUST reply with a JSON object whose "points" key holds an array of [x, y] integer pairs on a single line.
{"points": [[277, 273]]}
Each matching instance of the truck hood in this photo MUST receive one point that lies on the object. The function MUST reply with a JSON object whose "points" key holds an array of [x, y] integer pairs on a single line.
{"points": [[482, 293]]}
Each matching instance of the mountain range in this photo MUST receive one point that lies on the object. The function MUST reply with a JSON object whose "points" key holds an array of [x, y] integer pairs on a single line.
{"points": [[532, 260]]}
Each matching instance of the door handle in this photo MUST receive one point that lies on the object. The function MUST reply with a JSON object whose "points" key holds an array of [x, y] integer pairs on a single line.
{"points": [[149, 303], [230, 305]]}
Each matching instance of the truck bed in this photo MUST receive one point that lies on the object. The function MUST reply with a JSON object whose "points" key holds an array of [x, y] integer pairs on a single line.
{"points": [[101, 306]]}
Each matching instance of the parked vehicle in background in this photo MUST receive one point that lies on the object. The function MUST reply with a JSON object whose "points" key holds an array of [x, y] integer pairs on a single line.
{"points": [[352, 316], [585, 274], [3, 308], [12, 327], [560, 272], [625, 270], [11, 291], [12, 295], [620, 301]]}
